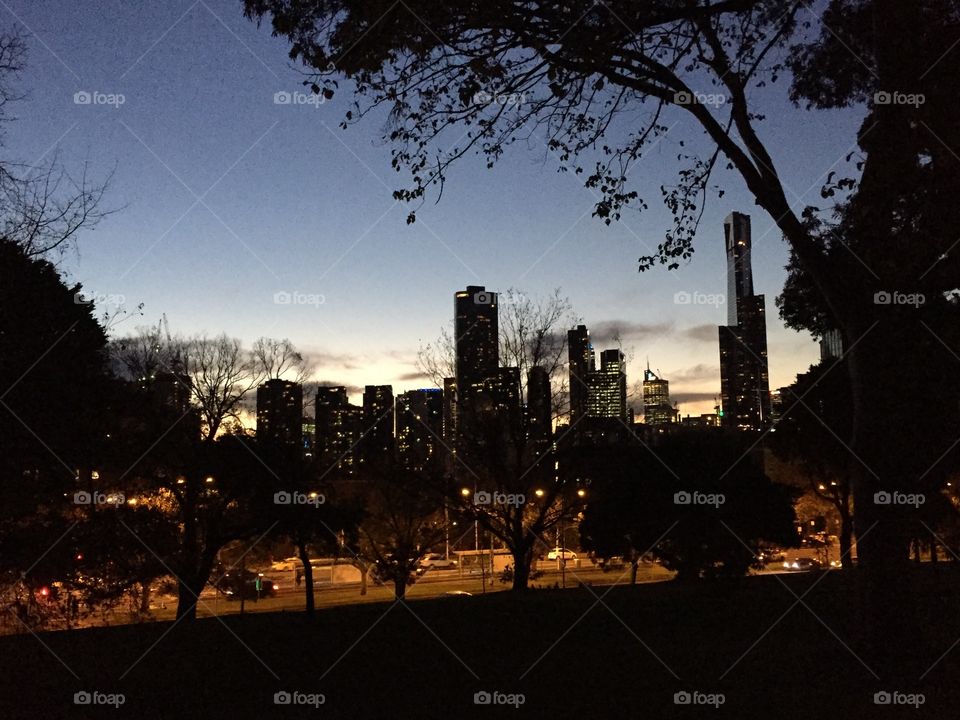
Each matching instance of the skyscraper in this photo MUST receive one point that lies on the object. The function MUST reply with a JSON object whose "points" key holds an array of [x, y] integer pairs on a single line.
{"points": [[378, 418], [539, 408], [476, 330], [420, 428], [338, 429], [657, 409], [736, 232], [580, 364], [280, 413], [744, 381], [607, 387]]}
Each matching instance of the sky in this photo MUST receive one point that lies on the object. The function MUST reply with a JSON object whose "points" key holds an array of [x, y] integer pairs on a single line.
{"points": [[229, 203]]}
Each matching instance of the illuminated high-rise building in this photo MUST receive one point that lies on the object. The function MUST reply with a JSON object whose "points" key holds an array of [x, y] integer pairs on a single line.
{"points": [[580, 365], [280, 413], [744, 380], [476, 330], [377, 444], [338, 429], [420, 428], [539, 408], [607, 387], [657, 409]]}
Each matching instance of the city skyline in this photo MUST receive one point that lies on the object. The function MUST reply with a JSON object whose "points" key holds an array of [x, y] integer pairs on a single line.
{"points": [[307, 221]]}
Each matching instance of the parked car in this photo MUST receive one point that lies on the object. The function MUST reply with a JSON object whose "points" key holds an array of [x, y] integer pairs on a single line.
{"points": [[801, 564], [235, 584], [561, 554], [435, 561], [771, 555], [456, 594]]}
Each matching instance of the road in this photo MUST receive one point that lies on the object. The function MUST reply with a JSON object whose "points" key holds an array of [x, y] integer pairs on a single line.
{"points": [[434, 584]]}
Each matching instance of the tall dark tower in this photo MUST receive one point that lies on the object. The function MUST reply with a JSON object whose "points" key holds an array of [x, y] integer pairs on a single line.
{"points": [[280, 412], [581, 365], [539, 408], [338, 429], [378, 420], [744, 378], [736, 231], [476, 330]]}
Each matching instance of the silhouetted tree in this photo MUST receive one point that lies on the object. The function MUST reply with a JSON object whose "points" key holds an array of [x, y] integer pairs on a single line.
{"points": [[814, 432], [702, 506]]}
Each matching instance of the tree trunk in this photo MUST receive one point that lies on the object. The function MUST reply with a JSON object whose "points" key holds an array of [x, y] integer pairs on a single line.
{"points": [[634, 565], [846, 540], [144, 598], [307, 575], [188, 593], [522, 553], [400, 587]]}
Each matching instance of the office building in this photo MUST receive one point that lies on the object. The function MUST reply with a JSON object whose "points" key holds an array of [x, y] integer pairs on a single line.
{"points": [[580, 365], [420, 429], [338, 430], [607, 387], [657, 409], [744, 380], [377, 444], [280, 413]]}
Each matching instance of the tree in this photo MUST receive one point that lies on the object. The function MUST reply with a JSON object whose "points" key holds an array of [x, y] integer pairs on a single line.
{"points": [[704, 507], [279, 360], [61, 417], [221, 375], [42, 207], [814, 432], [513, 486], [402, 523]]}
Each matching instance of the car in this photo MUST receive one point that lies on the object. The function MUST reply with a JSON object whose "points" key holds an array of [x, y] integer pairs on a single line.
{"points": [[235, 584], [435, 561], [771, 555], [456, 594], [286, 565], [801, 564], [561, 554]]}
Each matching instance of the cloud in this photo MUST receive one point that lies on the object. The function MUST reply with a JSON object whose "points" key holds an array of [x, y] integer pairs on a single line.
{"points": [[702, 333], [608, 331], [694, 374], [412, 376], [693, 397]]}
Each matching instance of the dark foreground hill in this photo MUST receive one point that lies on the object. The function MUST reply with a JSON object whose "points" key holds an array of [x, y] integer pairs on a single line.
{"points": [[586, 653]]}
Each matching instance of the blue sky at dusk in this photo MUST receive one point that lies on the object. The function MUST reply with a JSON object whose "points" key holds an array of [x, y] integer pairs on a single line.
{"points": [[228, 198]]}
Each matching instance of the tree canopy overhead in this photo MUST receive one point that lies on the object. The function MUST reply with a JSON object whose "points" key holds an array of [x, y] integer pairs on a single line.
{"points": [[464, 77]]}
